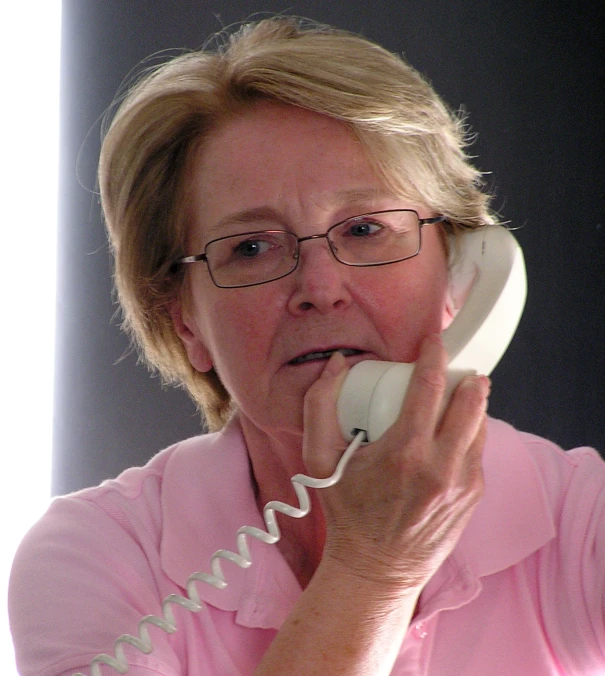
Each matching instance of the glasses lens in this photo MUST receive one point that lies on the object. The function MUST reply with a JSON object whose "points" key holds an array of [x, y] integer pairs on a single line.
{"points": [[373, 239], [251, 258]]}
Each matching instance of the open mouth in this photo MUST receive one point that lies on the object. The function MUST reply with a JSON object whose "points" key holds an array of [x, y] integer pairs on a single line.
{"points": [[315, 356]]}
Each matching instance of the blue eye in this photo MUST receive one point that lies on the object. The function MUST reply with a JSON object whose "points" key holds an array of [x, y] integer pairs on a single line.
{"points": [[250, 248], [363, 228]]}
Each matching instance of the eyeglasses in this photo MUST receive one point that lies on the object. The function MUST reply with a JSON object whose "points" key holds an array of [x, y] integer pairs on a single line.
{"points": [[251, 258]]}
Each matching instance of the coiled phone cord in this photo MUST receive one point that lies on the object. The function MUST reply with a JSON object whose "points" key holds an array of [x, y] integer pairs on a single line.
{"points": [[192, 601]]}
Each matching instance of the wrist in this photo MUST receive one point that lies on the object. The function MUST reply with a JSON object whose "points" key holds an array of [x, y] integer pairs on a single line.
{"points": [[370, 587], [373, 566]]}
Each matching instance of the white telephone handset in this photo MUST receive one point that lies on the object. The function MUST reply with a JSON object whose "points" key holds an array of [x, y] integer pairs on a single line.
{"points": [[489, 285]]}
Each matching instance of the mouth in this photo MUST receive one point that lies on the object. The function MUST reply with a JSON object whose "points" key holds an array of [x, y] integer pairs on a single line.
{"points": [[324, 355]]}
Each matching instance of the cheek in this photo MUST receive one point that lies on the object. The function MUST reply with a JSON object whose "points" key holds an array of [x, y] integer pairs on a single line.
{"points": [[408, 307], [239, 326]]}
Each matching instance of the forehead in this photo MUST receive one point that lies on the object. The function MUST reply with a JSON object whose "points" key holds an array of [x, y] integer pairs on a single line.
{"points": [[283, 158], [285, 133]]}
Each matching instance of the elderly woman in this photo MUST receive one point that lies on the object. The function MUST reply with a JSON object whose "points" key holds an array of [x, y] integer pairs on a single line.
{"points": [[278, 211]]}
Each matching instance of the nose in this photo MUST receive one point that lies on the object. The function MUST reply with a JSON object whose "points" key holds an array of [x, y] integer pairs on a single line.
{"points": [[320, 280]]}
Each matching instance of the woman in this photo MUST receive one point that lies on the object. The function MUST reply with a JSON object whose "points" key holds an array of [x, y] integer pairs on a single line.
{"points": [[278, 213]]}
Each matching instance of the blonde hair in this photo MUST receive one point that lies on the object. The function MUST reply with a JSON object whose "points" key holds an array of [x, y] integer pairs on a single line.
{"points": [[415, 144]]}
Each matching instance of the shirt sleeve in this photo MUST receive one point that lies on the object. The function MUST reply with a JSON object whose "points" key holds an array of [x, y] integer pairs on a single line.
{"points": [[79, 580]]}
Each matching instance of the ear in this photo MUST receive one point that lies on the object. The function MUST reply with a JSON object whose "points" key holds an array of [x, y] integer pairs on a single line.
{"points": [[199, 356], [449, 311]]}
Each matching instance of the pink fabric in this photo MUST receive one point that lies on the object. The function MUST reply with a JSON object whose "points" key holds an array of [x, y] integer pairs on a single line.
{"points": [[523, 592]]}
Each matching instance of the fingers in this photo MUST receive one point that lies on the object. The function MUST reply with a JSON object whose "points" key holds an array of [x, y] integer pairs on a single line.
{"points": [[323, 441], [465, 413], [449, 443], [445, 443], [422, 411], [421, 407], [425, 472]]}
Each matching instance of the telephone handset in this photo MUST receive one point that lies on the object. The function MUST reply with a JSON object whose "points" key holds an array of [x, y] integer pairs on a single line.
{"points": [[488, 284]]}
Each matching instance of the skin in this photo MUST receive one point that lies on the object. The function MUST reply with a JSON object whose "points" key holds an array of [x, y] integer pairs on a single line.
{"points": [[306, 172]]}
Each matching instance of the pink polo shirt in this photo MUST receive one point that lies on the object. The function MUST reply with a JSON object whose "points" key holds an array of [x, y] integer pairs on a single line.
{"points": [[522, 593]]}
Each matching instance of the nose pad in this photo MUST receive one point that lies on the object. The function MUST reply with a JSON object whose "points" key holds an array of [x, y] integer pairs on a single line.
{"points": [[316, 255], [320, 282]]}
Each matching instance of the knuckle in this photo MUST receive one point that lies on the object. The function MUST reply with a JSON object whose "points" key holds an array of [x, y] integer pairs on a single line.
{"points": [[317, 393], [424, 478], [471, 394], [475, 484], [431, 378], [479, 488], [429, 480], [474, 487]]}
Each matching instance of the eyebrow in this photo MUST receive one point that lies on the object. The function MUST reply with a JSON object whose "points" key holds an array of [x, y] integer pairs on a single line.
{"points": [[246, 217], [265, 214], [357, 195]]}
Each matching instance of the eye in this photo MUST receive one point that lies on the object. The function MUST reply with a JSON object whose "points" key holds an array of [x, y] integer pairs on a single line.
{"points": [[362, 228], [251, 248]]}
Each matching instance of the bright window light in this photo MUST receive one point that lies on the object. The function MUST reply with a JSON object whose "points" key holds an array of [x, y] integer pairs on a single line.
{"points": [[29, 120]]}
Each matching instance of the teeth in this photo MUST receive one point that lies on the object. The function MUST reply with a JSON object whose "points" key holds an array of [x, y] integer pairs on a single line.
{"points": [[311, 356], [347, 352]]}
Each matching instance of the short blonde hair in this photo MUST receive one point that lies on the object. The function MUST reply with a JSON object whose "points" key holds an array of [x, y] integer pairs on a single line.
{"points": [[415, 144]]}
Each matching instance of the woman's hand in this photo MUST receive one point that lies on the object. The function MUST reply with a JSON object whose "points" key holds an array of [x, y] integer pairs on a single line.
{"points": [[404, 499]]}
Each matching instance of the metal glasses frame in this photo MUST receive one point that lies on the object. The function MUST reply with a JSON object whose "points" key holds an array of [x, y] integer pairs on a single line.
{"points": [[326, 235]]}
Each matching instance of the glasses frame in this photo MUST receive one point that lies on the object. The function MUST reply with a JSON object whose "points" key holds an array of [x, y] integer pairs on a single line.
{"points": [[326, 235]]}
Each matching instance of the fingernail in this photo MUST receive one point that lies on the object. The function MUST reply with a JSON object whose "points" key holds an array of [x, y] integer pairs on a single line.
{"points": [[483, 382], [335, 365]]}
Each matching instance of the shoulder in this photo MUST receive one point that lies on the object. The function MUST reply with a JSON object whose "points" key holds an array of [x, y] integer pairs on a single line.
{"points": [[571, 566], [130, 503], [555, 463], [563, 474], [90, 568], [569, 488], [128, 507], [574, 483]]}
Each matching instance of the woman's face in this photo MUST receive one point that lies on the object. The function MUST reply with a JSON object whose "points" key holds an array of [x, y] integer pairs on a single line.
{"points": [[306, 172]]}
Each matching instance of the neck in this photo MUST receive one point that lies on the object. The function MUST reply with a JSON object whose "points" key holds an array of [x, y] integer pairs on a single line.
{"points": [[275, 458]]}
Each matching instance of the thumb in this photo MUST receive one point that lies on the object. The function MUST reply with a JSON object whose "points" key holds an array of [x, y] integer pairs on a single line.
{"points": [[323, 443]]}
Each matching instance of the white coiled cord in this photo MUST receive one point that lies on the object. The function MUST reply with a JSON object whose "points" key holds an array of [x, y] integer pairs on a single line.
{"points": [[192, 601]]}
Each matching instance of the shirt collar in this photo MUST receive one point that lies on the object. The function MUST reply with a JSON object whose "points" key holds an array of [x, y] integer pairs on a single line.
{"points": [[513, 518], [207, 496]]}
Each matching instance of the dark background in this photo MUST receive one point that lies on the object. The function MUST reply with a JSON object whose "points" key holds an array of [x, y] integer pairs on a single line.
{"points": [[530, 74]]}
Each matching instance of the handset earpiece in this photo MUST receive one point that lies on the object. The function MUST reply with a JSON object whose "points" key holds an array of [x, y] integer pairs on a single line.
{"points": [[488, 280]]}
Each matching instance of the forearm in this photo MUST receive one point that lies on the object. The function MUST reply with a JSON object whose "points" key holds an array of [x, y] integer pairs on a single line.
{"points": [[342, 624]]}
